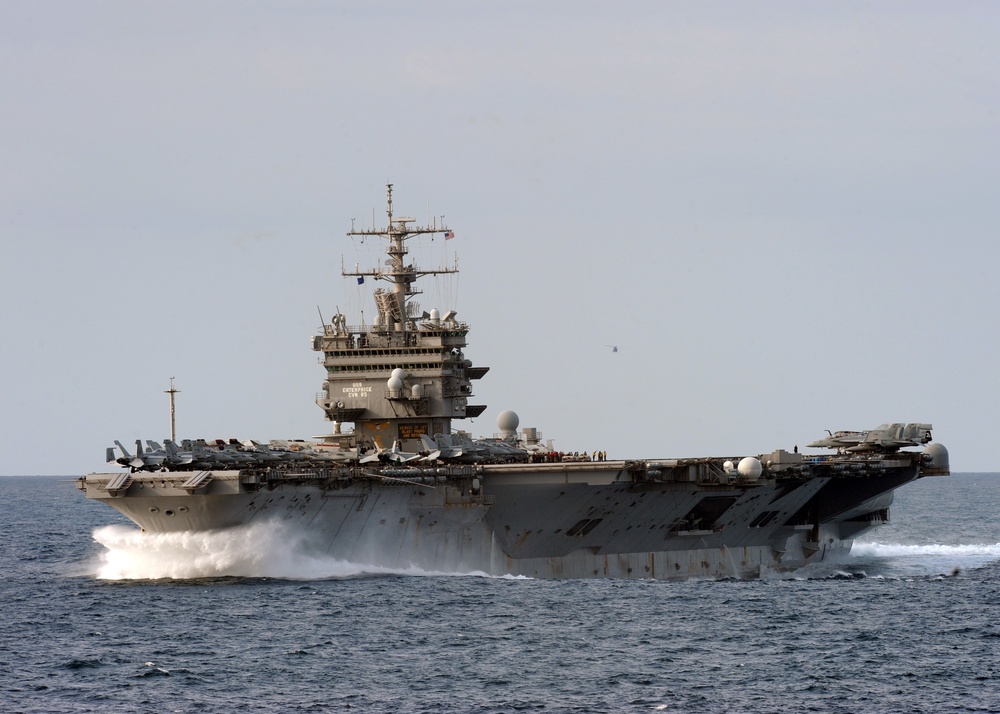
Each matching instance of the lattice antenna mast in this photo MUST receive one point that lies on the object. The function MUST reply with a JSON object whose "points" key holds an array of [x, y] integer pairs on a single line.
{"points": [[402, 276]]}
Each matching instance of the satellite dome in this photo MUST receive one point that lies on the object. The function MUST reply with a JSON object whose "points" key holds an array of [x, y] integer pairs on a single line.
{"points": [[399, 374], [435, 314], [750, 468], [507, 421], [394, 383]]}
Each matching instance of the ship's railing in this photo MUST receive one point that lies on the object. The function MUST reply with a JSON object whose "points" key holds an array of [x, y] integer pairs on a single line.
{"points": [[370, 330], [391, 472], [535, 436]]}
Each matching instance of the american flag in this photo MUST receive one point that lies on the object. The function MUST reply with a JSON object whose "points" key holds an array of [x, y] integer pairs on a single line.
{"points": [[449, 235]]}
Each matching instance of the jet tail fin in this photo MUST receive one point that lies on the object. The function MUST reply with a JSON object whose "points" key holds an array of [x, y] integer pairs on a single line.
{"points": [[125, 453]]}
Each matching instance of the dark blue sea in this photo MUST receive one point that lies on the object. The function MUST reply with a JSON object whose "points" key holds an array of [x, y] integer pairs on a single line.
{"points": [[98, 618]]}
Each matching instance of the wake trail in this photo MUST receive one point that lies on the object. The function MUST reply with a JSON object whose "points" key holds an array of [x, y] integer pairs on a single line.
{"points": [[928, 558], [895, 550]]}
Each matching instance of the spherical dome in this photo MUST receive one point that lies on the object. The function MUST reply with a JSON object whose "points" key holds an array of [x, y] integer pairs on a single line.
{"points": [[399, 374], [507, 421], [750, 468], [435, 314], [394, 383], [938, 454], [728, 467]]}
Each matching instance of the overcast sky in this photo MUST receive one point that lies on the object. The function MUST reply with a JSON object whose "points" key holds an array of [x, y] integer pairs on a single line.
{"points": [[784, 214]]}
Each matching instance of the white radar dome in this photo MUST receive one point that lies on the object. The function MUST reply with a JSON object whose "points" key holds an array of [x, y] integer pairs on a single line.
{"points": [[728, 467], [394, 383], [507, 421], [435, 314], [750, 468], [399, 374]]}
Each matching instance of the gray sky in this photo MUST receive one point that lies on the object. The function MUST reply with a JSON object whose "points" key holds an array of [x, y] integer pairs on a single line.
{"points": [[784, 214]]}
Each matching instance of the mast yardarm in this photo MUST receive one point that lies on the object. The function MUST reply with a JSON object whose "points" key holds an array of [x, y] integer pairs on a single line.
{"points": [[402, 276]]}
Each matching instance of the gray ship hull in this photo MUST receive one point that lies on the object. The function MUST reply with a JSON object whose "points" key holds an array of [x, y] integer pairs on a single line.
{"points": [[659, 520]]}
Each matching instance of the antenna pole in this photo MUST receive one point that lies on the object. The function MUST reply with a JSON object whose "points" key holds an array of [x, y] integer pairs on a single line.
{"points": [[402, 276], [173, 422]]}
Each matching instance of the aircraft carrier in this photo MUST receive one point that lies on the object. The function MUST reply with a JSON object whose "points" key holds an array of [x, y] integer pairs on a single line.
{"points": [[397, 485]]}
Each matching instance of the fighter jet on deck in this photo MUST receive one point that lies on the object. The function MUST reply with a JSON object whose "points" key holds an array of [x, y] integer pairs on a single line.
{"points": [[886, 437]]}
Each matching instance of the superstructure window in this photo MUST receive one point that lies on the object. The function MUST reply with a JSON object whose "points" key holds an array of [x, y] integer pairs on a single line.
{"points": [[413, 367], [382, 352]]}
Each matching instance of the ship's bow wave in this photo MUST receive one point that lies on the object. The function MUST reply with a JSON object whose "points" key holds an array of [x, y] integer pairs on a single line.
{"points": [[271, 549]]}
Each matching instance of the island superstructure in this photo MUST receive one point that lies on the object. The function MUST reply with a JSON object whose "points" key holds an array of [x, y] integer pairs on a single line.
{"points": [[396, 484], [429, 378]]}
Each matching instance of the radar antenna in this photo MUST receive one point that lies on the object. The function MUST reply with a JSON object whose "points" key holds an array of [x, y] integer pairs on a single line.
{"points": [[402, 276]]}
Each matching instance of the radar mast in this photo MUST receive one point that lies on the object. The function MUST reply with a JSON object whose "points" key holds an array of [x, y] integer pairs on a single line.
{"points": [[392, 305]]}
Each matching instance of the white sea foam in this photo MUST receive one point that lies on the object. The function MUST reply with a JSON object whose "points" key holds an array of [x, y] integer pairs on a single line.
{"points": [[268, 549], [897, 550], [259, 550], [928, 558]]}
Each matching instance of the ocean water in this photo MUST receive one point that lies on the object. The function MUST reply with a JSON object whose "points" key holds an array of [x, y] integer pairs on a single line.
{"points": [[97, 617]]}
